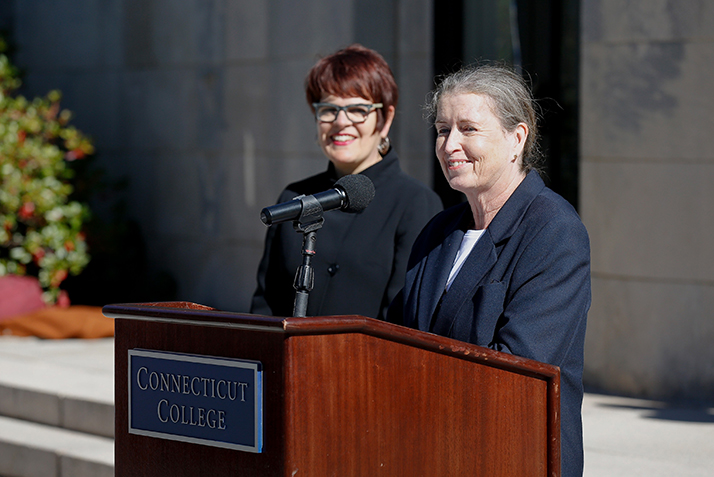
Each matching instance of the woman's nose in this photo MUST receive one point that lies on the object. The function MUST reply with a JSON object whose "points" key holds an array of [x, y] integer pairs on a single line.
{"points": [[451, 142], [341, 118]]}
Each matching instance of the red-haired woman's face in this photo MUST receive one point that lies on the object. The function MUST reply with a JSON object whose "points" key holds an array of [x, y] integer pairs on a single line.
{"points": [[352, 147]]}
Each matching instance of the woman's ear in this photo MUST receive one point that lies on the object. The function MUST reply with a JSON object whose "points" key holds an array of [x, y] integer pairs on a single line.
{"points": [[520, 134], [388, 119]]}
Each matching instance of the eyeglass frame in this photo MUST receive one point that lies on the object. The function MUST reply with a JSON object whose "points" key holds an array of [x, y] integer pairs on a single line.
{"points": [[370, 108]]}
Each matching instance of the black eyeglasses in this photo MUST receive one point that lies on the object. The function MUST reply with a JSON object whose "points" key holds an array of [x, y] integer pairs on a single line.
{"points": [[357, 113]]}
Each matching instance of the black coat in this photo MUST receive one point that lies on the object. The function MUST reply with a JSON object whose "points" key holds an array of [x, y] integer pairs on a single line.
{"points": [[360, 260], [524, 289]]}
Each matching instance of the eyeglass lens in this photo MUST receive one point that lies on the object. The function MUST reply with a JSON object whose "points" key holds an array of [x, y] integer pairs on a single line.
{"points": [[356, 113]]}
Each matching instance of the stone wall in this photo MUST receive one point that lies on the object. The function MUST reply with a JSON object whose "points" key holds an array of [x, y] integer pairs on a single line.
{"points": [[200, 104], [646, 194]]}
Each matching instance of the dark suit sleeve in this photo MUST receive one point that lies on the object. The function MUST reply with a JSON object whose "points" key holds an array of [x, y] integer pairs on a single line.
{"points": [[422, 208], [394, 313], [549, 294], [269, 297], [259, 304], [545, 318]]}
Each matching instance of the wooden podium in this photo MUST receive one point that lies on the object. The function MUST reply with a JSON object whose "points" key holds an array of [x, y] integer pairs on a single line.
{"points": [[347, 396]]}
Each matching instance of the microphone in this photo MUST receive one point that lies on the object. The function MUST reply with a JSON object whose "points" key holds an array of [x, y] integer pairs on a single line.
{"points": [[352, 193]]}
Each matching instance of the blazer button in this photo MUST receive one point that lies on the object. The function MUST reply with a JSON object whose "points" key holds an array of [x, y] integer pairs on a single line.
{"points": [[333, 269]]}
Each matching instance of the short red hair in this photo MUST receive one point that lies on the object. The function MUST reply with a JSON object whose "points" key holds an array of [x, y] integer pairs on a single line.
{"points": [[353, 71]]}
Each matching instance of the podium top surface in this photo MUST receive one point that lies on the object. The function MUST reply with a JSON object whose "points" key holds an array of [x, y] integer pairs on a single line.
{"points": [[186, 313]]}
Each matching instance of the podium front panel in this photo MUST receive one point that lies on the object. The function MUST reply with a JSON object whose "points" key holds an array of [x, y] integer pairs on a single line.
{"points": [[348, 396], [424, 413]]}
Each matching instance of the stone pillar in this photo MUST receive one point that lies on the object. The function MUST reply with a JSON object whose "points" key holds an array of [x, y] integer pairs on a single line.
{"points": [[647, 150]]}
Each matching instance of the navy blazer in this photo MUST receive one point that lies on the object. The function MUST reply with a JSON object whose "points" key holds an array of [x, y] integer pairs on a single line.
{"points": [[523, 290]]}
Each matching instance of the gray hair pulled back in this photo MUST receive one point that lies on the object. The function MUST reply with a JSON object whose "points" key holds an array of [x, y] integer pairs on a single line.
{"points": [[511, 101]]}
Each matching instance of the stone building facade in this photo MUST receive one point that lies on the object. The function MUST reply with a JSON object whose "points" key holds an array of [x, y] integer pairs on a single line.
{"points": [[647, 165], [200, 104]]}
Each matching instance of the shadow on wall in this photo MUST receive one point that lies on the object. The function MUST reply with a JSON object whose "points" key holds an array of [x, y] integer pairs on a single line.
{"points": [[118, 270], [643, 80], [694, 411]]}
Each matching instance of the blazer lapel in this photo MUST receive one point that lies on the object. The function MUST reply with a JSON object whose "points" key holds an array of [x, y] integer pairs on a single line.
{"points": [[481, 259], [435, 270]]}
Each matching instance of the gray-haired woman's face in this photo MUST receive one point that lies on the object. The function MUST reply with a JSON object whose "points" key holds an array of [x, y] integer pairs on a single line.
{"points": [[477, 156]]}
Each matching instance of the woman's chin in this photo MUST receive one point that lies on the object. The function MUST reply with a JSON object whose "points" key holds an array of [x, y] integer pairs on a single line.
{"points": [[459, 184], [350, 163], [344, 166], [341, 161]]}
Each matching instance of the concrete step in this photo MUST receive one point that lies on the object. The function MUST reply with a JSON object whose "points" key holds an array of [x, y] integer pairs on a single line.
{"points": [[66, 412], [28, 449], [68, 384], [56, 407]]}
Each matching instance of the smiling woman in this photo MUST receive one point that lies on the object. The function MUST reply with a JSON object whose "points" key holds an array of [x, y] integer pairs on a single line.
{"points": [[351, 140], [478, 157], [509, 269], [361, 258]]}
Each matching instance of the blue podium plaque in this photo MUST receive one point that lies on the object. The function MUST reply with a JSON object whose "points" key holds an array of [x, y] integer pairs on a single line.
{"points": [[199, 399]]}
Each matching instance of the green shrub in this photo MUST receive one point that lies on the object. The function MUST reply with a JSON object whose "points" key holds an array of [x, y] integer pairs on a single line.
{"points": [[41, 227]]}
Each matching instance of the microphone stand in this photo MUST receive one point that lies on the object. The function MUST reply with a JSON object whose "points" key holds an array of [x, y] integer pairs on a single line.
{"points": [[310, 221]]}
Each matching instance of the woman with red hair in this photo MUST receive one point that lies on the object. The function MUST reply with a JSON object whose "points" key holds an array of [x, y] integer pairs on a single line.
{"points": [[361, 258]]}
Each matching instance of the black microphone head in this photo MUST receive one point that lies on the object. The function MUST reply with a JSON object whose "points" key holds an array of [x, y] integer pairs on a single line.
{"points": [[359, 190]]}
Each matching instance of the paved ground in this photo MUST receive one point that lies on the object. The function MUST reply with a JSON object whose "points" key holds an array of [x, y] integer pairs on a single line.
{"points": [[633, 437], [623, 437]]}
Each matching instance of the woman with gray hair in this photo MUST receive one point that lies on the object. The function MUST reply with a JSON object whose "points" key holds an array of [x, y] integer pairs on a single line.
{"points": [[509, 269]]}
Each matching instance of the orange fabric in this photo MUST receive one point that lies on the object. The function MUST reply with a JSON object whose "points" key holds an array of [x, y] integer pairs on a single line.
{"points": [[77, 321]]}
